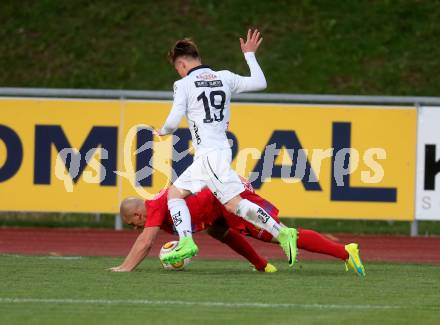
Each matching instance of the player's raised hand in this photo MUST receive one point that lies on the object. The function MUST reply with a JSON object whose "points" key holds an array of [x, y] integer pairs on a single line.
{"points": [[253, 41]]}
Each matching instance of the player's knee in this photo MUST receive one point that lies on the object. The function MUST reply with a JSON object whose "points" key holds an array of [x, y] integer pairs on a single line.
{"points": [[177, 193], [230, 208], [174, 193], [231, 205]]}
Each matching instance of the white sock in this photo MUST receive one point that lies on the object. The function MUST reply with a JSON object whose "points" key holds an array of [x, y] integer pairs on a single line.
{"points": [[258, 217], [180, 216]]}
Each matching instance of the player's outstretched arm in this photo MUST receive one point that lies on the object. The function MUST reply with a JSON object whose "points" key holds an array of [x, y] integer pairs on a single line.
{"points": [[257, 80], [177, 111], [139, 250]]}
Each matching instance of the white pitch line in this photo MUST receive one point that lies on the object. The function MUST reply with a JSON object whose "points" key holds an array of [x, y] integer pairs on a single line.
{"points": [[193, 303], [54, 257], [67, 258]]}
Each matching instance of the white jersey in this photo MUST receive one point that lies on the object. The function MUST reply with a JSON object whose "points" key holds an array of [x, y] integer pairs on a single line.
{"points": [[204, 96]]}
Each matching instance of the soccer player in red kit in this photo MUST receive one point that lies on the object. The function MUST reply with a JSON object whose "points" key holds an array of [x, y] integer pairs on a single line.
{"points": [[153, 215], [208, 213]]}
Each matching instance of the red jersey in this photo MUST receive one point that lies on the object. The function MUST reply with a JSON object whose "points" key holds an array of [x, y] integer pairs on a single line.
{"points": [[205, 209]]}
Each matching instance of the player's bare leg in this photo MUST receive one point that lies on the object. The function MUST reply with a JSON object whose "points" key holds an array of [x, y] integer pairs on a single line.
{"points": [[182, 222], [287, 237]]}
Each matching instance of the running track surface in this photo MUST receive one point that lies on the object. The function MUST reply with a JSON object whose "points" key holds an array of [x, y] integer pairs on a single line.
{"points": [[80, 242]]}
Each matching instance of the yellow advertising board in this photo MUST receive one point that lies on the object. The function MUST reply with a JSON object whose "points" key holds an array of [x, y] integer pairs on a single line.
{"points": [[37, 123], [309, 160], [385, 136]]}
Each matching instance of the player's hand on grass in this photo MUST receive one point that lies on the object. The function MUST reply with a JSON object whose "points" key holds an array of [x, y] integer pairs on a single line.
{"points": [[253, 41]]}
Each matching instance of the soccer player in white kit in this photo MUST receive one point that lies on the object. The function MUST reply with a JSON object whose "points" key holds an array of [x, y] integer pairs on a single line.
{"points": [[204, 96]]}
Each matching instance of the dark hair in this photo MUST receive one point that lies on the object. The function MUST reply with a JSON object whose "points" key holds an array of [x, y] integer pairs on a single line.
{"points": [[184, 47]]}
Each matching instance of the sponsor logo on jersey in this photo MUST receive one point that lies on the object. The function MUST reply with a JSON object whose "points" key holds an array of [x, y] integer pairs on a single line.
{"points": [[206, 76], [210, 83]]}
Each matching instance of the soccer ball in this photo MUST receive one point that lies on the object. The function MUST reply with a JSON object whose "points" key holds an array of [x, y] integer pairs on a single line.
{"points": [[168, 247]]}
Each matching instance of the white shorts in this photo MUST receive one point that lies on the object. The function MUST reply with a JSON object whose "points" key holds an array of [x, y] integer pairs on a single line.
{"points": [[213, 170]]}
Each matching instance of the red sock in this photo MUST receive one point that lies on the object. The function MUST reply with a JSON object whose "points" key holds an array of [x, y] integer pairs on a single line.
{"points": [[313, 241], [240, 245]]}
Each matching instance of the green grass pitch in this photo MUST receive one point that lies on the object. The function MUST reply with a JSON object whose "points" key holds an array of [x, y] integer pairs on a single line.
{"points": [[51, 290]]}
